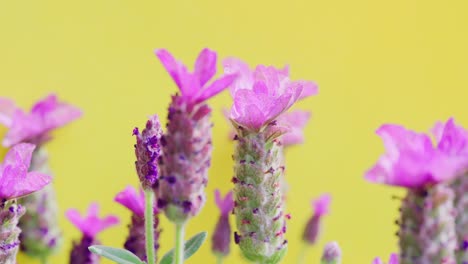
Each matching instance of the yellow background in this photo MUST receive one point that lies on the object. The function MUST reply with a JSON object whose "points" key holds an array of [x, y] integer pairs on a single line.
{"points": [[401, 61]]}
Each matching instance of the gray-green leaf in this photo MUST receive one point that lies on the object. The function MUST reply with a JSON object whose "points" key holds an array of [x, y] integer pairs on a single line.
{"points": [[118, 255], [190, 247]]}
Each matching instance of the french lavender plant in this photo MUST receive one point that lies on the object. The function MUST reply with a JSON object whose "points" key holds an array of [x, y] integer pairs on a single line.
{"points": [[148, 152], [186, 144], [221, 238], [90, 225], [331, 253], [41, 235], [16, 182], [260, 98], [135, 202], [427, 223], [393, 260], [313, 227], [453, 140]]}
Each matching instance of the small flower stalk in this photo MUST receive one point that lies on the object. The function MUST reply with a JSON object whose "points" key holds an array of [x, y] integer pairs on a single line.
{"points": [[312, 230], [135, 202], [260, 97], [427, 231], [331, 254], [16, 182], [41, 235], [187, 141], [90, 225], [221, 239]]}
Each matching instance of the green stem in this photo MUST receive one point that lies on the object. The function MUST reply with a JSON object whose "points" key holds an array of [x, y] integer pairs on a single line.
{"points": [[44, 260], [179, 244], [149, 226], [302, 254], [219, 259]]}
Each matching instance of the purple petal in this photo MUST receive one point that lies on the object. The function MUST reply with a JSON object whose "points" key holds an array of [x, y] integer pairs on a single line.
{"points": [[205, 66], [321, 205], [454, 139], [296, 121], [393, 259], [7, 108], [215, 88], [225, 205], [377, 261], [170, 64], [308, 88], [244, 77], [132, 200], [91, 224]]}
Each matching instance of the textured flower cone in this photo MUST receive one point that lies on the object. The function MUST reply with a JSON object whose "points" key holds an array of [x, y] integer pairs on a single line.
{"points": [[460, 187], [135, 242], [437, 234], [10, 213], [331, 254], [410, 223], [258, 198], [185, 160], [222, 236], [40, 234], [80, 253]]}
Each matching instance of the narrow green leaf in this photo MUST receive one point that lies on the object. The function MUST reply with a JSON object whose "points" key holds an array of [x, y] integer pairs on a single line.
{"points": [[190, 247], [118, 255]]}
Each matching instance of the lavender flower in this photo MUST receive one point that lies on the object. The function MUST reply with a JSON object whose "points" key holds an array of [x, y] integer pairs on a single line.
{"points": [[187, 141], [90, 225], [413, 162], [41, 235], [393, 260], [260, 97], [453, 140], [331, 254], [312, 229], [15, 182], [135, 202], [148, 151], [221, 239]]}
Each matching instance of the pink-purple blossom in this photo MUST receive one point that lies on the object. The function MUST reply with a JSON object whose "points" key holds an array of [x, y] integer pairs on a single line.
{"points": [[132, 199], [321, 205], [263, 94], [411, 160], [296, 122], [91, 224], [393, 260], [15, 180], [195, 86], [451, 138], [225, 204], [34, 127]]}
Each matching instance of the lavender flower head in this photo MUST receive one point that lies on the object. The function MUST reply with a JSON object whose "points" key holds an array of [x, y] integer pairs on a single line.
{"points": [[331, 253], [148, 151], [187, 141], [135, 202], [427, 231], [453, 140], [15, 182], [321, 208], [221, 239], [393, 260], [90, 225], [35, 126], [260, 98]]}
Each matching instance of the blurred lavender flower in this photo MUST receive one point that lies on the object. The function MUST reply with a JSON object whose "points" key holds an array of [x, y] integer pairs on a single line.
{"points": [[393, 260], [427, 231], [187, 141], [221, 239], [90, 225], [312, 230], [331, 253], [453, 140], [135, 202], [15, 182], [41, 235]]}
